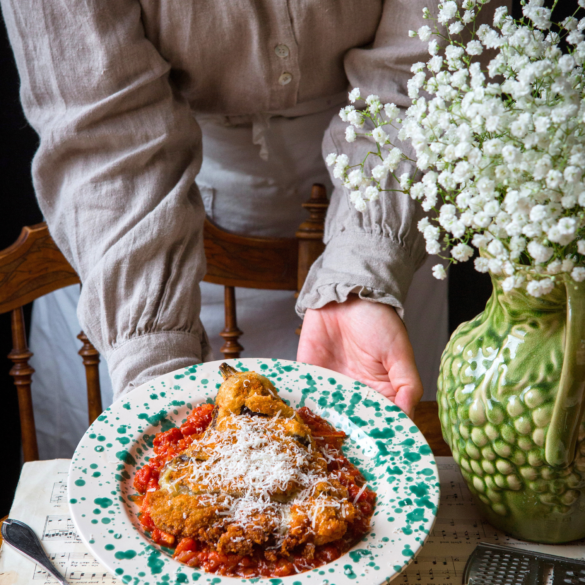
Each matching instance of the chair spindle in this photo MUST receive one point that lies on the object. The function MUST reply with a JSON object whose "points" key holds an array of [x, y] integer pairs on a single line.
{"points": [[91, 360], [22, 372], [231, 348]]}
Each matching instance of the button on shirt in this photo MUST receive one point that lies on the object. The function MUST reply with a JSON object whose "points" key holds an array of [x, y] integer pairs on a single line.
{"points": [[285, 78], [281, 51], [111, 86]]}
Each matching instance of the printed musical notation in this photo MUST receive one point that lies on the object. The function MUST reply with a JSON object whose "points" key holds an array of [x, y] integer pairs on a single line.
{"points": [[60, 528], [76, 567], [433, 571], [59, 492]]}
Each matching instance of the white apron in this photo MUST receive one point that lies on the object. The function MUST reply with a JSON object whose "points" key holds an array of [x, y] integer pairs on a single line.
{"points": [[253, 181]]}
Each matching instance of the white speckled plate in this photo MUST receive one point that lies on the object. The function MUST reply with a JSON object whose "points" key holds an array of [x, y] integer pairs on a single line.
{"points": [[382, 441]]}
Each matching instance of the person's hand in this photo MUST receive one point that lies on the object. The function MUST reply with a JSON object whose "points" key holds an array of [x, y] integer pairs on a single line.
{"points": [[366, 341]]}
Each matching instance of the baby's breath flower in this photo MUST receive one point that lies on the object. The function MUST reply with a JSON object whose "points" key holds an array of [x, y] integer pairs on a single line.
{"points": [[538, 288], [455, 28], [481, 264], [355, 118], [539, 252], [439, 272], [462, 252], [391, 111], [474, 48], [424, 33], [350, 134], [578, 274], [447, 11], [354, 95], [380, 136], [501, 161], [371, 193]]}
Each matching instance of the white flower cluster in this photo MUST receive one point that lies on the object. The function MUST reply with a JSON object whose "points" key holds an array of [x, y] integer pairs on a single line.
{"points": [[500, 153]]}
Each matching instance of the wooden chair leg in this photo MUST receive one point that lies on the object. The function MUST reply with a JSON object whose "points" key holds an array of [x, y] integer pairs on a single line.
{"points": [[310, 234], [22, 373], [231, 348], [91, 360]]}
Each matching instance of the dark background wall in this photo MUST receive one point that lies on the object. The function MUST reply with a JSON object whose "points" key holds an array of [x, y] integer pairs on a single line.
{"points": [[18, 207], [468, 290]]}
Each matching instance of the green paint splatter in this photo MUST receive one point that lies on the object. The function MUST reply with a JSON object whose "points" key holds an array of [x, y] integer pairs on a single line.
{"points": [[79, 482], [425, 450], [348, 571], [122, 555], [155, 563], [417, 515], [73, 501], [159, 418], [356, 420], [372, 404], [126, 457], [386, 433], [109, 547], [103, 502], [412, 457], [356, 555], [419, 489]]}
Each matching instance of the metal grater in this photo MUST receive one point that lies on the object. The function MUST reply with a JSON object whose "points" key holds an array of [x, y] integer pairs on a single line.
{"points": [[491, 564]]}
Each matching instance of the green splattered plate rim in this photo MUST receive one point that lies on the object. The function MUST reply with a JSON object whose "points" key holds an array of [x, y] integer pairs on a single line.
{"points": [[382, 441]]}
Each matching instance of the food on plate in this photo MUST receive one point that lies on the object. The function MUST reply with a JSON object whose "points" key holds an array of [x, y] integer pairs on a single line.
{"points": [[249, 487]]}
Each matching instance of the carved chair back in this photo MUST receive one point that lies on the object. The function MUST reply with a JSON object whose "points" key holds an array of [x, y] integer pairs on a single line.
{"points": [[33, 266]]}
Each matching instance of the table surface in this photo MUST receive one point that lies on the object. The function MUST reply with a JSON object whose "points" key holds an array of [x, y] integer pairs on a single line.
{"points": [[426, 418]]}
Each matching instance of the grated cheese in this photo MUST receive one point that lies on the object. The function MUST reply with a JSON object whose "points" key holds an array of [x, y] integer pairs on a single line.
{"points": [[242, 468]]}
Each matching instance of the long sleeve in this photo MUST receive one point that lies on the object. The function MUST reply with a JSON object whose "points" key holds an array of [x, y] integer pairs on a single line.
{"points": [[114, 175], [376, 253]]}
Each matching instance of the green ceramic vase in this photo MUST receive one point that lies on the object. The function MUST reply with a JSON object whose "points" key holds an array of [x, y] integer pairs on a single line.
{"points": [[511, 397]]}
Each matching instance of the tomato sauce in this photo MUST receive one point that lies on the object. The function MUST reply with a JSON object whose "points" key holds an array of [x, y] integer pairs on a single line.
{"points": [[193, 553]]}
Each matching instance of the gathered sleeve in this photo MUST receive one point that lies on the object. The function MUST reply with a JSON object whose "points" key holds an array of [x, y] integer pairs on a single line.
{"points": [[114, 175], [375, 253]]}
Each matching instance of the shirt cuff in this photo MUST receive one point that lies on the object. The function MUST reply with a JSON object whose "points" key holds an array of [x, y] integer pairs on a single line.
{"points": [[143, 358], [372, 266]]}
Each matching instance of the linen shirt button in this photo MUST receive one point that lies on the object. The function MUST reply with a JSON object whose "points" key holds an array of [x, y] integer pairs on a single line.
{"points": [[285, 78], [281, 51]]}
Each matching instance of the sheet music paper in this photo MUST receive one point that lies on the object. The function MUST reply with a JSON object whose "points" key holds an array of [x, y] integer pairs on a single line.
{"points": [[41, 502]]}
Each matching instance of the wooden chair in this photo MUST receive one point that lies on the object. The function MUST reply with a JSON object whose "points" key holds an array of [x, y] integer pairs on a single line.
{"points": [[33, 266]]}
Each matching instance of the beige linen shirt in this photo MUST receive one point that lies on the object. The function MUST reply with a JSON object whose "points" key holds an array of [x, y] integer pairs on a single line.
{"points": [[111, 87]]}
